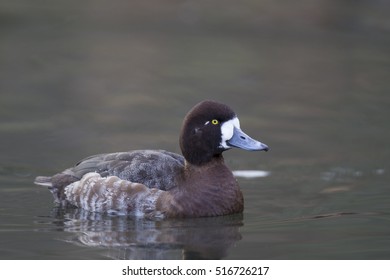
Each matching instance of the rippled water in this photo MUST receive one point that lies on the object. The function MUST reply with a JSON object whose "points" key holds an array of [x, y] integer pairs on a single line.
{"points": [[310, 80]]}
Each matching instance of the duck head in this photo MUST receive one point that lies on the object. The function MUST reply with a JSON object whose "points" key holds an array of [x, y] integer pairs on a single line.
{"points": [[211, 128]]}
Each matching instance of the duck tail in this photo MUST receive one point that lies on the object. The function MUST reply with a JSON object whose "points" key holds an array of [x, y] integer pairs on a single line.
{"points": [[56, 185], [43, 181]]}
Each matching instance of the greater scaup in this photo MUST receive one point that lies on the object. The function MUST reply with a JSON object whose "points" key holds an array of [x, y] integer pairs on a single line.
{"points": [[157, 183]]}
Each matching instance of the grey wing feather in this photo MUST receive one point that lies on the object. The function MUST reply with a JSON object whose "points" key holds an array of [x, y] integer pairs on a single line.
{"points": [[155, 169]]}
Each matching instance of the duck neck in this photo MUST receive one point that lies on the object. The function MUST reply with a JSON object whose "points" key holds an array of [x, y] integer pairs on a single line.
{"points": [[215, 162], [213, 174], [209, 189]]}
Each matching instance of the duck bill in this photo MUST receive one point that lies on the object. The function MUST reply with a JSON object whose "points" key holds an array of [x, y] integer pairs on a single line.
{"points": [[245, 142]]}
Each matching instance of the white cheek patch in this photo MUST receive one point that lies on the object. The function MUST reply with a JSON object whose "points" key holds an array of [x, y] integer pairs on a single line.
{"points": [[227, 130]]}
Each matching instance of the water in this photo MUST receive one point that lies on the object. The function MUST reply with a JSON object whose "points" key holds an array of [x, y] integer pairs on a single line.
{"points": [[309, 80]]}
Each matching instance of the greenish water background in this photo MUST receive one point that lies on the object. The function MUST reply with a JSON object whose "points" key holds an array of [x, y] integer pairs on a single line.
{"points": [[309, 78]]}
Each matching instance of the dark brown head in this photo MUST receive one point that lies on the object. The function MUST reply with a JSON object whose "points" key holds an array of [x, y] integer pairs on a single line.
{"points": [[211, 128]]}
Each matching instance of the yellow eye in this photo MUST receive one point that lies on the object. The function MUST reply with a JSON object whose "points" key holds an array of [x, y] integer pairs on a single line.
{"points": [[215, 122]]}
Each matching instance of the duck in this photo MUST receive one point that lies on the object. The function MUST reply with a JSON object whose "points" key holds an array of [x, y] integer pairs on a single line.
{"points": [[162, 184]]}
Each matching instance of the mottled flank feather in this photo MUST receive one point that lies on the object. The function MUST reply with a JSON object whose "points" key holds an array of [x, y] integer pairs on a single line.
{"points": [[115, 196]]}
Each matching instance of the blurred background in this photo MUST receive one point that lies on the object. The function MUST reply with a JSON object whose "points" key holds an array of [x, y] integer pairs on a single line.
{"points": [[310, 78]]}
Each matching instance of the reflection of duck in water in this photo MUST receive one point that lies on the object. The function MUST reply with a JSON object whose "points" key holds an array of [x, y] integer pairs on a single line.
{"points": [[161, 184], [121, 237]]}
